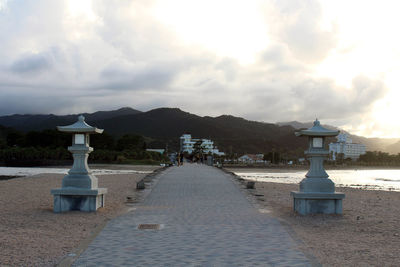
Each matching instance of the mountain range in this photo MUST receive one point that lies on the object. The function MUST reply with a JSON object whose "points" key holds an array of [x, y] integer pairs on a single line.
{"points": [[164, 126]]}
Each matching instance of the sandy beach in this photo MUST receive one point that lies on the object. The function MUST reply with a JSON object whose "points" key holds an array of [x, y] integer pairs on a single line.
{"points": [[32, 235], [367, 234]]}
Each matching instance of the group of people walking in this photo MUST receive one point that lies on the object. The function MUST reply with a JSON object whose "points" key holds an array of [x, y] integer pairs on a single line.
{"points": [[180, 158]]}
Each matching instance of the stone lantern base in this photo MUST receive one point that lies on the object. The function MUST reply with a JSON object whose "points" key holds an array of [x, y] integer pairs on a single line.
{"points": [[67, 199], [310, 202]]}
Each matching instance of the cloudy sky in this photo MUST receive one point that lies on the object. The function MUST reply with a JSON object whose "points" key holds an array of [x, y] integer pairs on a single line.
{"points": [[259, 59]]}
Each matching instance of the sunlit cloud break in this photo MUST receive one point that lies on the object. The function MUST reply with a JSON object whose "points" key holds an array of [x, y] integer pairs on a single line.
{"points": [[262, 60]]}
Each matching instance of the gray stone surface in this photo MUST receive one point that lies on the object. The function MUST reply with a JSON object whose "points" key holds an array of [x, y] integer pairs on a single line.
{"points": [[204, 220], [317, 192], [79, 189], [311, 203], [67, 199]]}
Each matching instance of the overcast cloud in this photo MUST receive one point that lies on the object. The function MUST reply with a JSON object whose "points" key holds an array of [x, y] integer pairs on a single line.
{"points": [[119, 54]]}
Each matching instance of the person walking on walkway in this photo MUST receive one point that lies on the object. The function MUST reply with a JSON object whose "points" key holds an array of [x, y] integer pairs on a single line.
{"points": [[181, 159]]}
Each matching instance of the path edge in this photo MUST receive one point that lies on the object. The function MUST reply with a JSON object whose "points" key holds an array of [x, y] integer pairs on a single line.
{"points": [[240, 182], [67, 260]]}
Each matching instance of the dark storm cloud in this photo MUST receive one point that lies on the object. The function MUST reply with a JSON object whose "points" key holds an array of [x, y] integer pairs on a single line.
{"points": [[154, 78], [324, 97], [30, 64], [125, 57], [13, 100], [309, 98]]}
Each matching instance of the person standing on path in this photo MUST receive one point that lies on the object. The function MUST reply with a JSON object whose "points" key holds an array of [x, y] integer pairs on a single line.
{"points": [[181, 159]]}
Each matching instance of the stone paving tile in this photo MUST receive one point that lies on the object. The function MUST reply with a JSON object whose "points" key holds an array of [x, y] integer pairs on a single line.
{"points": [[205, 220]]}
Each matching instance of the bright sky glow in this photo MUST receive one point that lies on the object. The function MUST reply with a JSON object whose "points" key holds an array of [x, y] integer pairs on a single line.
{"points": [[3, 4], [229, 28], [263, 60], [81, 8], [368, 45]]}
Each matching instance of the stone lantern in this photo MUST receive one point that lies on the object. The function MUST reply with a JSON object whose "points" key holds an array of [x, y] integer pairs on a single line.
{"points": [[79, 189], [317, 192]]}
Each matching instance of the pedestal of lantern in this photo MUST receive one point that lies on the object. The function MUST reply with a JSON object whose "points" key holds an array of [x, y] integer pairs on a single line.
{"points": [[317, 192], [79, 190]]}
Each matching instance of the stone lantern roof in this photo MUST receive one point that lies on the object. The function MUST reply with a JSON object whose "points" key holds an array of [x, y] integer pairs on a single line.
{"points": [[317, 130], [79, 127]]}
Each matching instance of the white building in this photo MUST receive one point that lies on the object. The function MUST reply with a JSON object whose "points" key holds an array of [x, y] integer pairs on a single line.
{"points": [[252, 158], [187, 145], [158, 150], [346, 146]]}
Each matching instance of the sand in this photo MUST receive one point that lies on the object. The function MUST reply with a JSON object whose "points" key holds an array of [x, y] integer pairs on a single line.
{"points": [[32, 235], [367, 234]]}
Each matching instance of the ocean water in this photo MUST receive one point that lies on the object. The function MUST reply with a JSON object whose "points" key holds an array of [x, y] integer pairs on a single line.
{"points": [[20, 171], [366, 179]]}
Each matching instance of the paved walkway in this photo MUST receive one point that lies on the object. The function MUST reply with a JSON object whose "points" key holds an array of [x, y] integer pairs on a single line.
{"points": [[205, 220]]}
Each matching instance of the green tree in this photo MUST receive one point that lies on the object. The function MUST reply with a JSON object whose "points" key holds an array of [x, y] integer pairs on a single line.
{"points": [[131, 142], [15, 139], [198, 148], [273, 157], [102, 141], [47, 138]]}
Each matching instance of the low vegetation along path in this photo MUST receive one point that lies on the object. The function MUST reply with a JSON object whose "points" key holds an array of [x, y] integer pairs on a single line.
{"points": [[194, 216]]}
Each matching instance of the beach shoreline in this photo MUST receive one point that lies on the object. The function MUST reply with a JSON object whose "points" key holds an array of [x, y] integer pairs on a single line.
{"points": [[8, 177], [367, 234], [32, 235], [367, 179], [296, 168]]}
